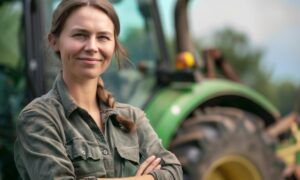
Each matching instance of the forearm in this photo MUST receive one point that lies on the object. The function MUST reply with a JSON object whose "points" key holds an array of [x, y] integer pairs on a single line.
{"points": [[144, 177], [151, 145]]}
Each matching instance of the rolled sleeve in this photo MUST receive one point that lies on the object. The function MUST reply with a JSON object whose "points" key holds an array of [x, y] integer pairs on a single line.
{"points": [[40, 148], [150, 144]]}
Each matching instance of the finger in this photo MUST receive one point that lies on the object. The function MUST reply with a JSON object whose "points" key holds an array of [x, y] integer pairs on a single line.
{"points": [[152, 166], [144, 165], [157, 167]]}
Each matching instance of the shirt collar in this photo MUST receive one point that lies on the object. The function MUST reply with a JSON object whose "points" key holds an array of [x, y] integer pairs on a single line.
{"points": [[63, 93], [107, 111], [70, 106]]}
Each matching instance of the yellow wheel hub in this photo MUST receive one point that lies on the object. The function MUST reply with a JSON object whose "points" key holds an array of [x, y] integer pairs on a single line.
{"points": [[232, 168]]}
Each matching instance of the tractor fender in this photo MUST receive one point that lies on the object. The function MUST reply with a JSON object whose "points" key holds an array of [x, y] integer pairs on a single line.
{"points": [[173, 104]]}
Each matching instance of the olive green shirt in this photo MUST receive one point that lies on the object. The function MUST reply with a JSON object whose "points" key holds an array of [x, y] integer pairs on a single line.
{"points": [[56, 139]]}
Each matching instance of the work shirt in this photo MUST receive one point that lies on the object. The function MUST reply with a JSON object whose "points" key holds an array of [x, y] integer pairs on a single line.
{"points": [[56, 139]]}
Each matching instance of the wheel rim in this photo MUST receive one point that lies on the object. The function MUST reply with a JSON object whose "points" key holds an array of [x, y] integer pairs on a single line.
{"points": [[232, 168]]}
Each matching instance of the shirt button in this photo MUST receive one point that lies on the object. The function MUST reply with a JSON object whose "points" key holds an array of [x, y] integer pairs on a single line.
{"points": [[83, 152], [105, 152]]}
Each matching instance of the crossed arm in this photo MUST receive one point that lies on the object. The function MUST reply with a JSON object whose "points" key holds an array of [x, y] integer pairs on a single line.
{"points": [[149, 165]]}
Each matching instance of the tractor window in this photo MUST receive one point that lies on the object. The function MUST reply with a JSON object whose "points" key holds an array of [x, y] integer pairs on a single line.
{"points": [[134, 82], [166, 10]]}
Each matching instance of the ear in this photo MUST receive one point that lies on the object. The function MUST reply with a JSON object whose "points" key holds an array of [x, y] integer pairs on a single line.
{"points": [[53, 41]]}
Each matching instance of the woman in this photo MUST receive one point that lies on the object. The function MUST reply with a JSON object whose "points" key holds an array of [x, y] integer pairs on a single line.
{"points": [[77, 130]]}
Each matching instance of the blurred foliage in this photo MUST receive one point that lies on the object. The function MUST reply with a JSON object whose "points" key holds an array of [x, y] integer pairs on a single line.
{"points": [[10, 15], [11, 60], [247, 62], [288, 96]]}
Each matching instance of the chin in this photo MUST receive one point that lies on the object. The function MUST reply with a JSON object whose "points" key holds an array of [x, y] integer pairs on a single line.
{"points": [[89, 75]]}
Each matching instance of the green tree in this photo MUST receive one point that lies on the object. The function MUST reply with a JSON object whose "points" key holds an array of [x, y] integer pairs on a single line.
{"points": [[288, 96], [10, 15]]}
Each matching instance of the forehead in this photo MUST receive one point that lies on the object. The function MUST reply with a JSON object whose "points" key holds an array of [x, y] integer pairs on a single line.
{"points": [[89, 17]]}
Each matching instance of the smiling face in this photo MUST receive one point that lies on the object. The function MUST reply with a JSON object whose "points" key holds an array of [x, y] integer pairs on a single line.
{"points": [[86, 43]]}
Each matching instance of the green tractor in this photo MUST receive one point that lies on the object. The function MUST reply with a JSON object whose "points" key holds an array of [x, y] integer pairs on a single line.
{"points": [[215, 126]]}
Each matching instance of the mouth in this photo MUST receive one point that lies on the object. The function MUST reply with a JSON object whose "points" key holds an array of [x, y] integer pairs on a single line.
{"points": [[90, 59]]}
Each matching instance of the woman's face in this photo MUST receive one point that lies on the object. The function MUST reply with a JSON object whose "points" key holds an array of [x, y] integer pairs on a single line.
{"points": [[86, 43]]}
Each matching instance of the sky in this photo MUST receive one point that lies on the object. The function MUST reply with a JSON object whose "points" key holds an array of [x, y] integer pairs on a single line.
{"points": [[273, 25]]}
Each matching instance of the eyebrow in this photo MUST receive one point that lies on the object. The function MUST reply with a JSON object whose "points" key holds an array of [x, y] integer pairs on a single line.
{"points": [[78, 30], [85, 31]]}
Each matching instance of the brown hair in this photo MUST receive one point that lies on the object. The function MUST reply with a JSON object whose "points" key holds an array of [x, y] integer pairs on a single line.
{"points": [[61, 14]]}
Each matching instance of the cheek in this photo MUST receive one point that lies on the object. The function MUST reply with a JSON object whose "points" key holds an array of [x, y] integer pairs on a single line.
{"points": [[69, 49], [111, 49], [108, 52], [106, 64]]}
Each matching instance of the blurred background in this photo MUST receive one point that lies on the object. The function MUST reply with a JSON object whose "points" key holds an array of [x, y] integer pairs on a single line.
{"points": [[259, 38]]}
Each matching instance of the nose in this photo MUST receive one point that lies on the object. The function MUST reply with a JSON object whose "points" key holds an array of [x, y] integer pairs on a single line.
{"points": [[91, 45]]}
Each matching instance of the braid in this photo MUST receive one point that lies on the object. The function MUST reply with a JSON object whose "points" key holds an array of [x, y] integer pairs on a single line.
{"points": [[109, 100], [105, 95]]}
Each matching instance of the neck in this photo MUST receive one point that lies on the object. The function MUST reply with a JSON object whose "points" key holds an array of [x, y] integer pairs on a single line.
{"points": [[83, 92]]}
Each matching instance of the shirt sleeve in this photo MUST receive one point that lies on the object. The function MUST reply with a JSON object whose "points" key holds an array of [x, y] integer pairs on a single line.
{"points": [[40, 149], [150, 144]]}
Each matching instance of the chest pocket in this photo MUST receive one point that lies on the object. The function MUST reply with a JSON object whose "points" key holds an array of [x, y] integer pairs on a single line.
{"points": [[129, 160], [86, 158]]}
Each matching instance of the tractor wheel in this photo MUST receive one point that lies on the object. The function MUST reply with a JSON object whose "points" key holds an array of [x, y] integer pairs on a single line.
{"points": [[225, 144]]}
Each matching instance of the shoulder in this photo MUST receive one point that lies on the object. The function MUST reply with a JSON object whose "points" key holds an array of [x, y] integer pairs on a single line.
{"points": [[130, 111], [44, 102], [44, 107]]}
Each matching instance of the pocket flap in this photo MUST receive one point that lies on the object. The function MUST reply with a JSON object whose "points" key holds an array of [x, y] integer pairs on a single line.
{"points": [[81, 148], [129, 153]]}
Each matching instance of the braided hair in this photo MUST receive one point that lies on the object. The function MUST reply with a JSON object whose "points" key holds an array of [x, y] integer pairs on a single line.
{"points": [[109, 100]]}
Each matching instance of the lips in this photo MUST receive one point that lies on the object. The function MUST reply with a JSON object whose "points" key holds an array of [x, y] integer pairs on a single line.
{"points": [[89, 59]]}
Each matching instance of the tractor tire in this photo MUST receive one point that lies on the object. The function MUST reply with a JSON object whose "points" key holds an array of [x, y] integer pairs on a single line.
{"points": [[221, 143]]}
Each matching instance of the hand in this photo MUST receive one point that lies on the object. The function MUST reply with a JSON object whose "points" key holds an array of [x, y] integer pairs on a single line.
{"points": [[150, 164]]}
